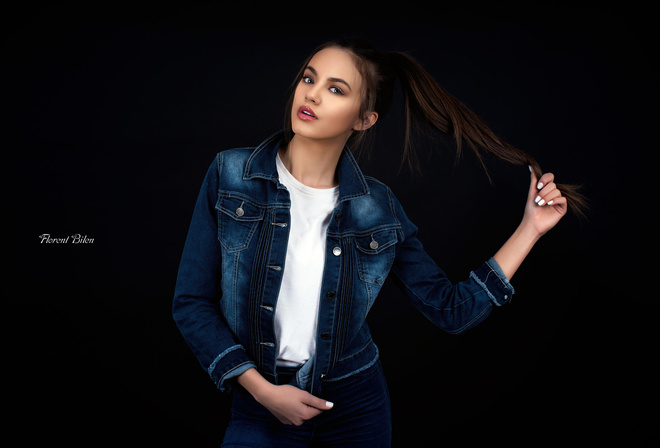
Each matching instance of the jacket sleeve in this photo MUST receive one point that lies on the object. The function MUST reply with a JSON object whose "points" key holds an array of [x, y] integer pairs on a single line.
{"points": [[454, 308], [197, 295]]}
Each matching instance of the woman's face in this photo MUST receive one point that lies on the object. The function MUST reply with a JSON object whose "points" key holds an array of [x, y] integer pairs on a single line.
{"points": [[326, 104]]}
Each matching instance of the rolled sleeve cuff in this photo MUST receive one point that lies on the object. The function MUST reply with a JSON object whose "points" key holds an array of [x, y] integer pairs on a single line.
{"points": [[491, 278], [228, 365]]}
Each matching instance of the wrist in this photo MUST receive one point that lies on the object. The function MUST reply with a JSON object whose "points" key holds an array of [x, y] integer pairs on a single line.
{"points": [[252, 381], [526, 232]]}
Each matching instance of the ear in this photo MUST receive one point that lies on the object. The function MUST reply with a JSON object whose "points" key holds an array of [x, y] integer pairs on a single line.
{"points": [[368, 121]]}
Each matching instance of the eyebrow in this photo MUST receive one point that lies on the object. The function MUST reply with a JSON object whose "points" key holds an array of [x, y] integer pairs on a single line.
{"points": [[313, 70]]}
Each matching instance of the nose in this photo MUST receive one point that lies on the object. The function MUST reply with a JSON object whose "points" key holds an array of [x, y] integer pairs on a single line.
{"points": [[313, 95]]}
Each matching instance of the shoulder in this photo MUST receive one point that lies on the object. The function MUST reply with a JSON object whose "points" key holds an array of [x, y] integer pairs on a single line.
{"points": [[376, 187], [380, 197], [234, 157], [380, 192]]}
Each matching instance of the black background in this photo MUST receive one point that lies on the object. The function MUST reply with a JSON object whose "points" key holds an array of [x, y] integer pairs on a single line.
{"points": [[111, 117]]}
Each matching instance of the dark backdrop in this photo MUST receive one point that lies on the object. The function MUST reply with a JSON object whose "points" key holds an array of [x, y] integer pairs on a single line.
{"points": [[111, 118]]}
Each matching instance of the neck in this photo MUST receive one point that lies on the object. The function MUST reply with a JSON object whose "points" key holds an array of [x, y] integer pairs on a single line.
{"points": [[312, 162]]}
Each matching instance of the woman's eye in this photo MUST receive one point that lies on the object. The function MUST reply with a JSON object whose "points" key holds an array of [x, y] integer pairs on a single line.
{"points": [[336, 90], [307, 80]]}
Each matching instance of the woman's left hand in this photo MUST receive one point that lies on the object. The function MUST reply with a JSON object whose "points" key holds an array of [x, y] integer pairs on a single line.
{"points": [[545, 204], [545, 207]]}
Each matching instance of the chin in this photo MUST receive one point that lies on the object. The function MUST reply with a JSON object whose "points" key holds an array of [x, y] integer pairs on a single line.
{"points": [[317, 133]]}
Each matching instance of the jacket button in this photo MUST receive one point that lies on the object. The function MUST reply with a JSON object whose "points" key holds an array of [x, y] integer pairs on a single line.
{"points": [[331, 295], [325, 336], [338, 216], [336, 251]]}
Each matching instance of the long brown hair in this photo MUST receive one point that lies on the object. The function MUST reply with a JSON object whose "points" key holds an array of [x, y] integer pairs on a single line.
{"points": [[425, 102]]}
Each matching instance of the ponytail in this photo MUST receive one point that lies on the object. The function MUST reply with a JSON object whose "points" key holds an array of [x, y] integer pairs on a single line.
{"points": [[427, 102]]}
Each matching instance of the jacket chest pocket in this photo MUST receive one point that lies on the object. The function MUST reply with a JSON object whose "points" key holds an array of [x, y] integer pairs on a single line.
{"points": [[238, 219], [375, 255]]}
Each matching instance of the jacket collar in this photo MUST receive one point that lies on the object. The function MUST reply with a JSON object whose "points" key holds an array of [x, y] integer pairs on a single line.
{"points": [[261, 164]]}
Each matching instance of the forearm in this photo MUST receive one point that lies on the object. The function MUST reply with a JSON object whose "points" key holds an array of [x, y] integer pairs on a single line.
{"points": [[515, 250]]}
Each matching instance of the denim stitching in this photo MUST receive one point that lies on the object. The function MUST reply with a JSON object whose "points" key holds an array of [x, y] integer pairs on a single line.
{"points": [[222, 378], [430, 305], [366, 346], [469, 324], [365, 367], [483, 285], [222, 355]]}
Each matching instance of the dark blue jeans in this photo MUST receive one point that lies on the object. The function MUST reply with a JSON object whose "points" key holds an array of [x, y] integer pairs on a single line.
{"points": [[360, 418]]}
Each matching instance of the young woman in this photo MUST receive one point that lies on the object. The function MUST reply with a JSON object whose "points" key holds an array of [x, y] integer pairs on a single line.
{"points": [[290, 244]]}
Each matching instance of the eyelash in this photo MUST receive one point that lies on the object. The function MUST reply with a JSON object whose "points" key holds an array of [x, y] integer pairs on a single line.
{"points": [[334, 89]]}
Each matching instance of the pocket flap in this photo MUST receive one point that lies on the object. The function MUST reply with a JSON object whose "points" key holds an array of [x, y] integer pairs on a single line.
{"points": [[240, 209], [376, 242]]}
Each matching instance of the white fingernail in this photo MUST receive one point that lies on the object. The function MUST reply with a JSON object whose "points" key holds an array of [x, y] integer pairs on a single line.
{"points": [[538, 198], [549, 202], [539, 185], [329, 404], [541, 202], [530, 168]]}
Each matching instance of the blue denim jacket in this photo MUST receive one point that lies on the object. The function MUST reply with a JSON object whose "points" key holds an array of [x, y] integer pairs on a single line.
{"points": [[232, 263]]}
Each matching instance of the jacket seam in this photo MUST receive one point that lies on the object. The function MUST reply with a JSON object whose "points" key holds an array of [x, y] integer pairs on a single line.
{"points": [[364, 233], [366, 346], [361, 369], [471, 322]]}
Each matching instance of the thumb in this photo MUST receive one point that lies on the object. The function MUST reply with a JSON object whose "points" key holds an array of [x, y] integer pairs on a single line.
{"points": [[533, 191]]}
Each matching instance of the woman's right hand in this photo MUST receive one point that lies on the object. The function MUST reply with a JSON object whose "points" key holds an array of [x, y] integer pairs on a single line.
{"points": [[291, 406]]}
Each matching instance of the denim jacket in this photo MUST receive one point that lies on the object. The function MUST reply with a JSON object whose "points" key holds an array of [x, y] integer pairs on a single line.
{"points": [[233, 259]]}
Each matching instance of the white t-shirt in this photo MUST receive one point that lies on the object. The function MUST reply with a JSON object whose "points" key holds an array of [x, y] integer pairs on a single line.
{"points": [[298, 303]]}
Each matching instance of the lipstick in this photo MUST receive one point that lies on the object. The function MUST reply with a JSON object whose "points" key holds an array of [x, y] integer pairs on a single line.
{"points": [[306, 113]]}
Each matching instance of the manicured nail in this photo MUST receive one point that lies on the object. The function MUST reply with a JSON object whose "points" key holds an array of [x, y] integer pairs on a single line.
{"points": [[549, 202], [538, 198], [329, 404], [539, 185], [530, 168], [541, 202]]}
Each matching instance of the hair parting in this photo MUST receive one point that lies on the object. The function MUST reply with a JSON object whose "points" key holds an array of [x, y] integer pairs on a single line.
{"points": [[425, 101]]}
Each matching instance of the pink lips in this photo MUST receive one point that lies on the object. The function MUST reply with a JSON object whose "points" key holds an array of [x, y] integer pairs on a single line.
{"points": [[306, 113]]}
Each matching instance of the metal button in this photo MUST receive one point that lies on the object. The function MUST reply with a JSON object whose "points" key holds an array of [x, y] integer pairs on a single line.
{"points": [[331, 295], [338, 216], [373, 244], [240, 211], [336, 251], [325, 336]]}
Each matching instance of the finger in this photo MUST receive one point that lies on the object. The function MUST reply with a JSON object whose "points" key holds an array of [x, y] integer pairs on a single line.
{"points": [[549, 198], [310, 413], [544, 180], [560, 204], [317, 403], [544, 194]]}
